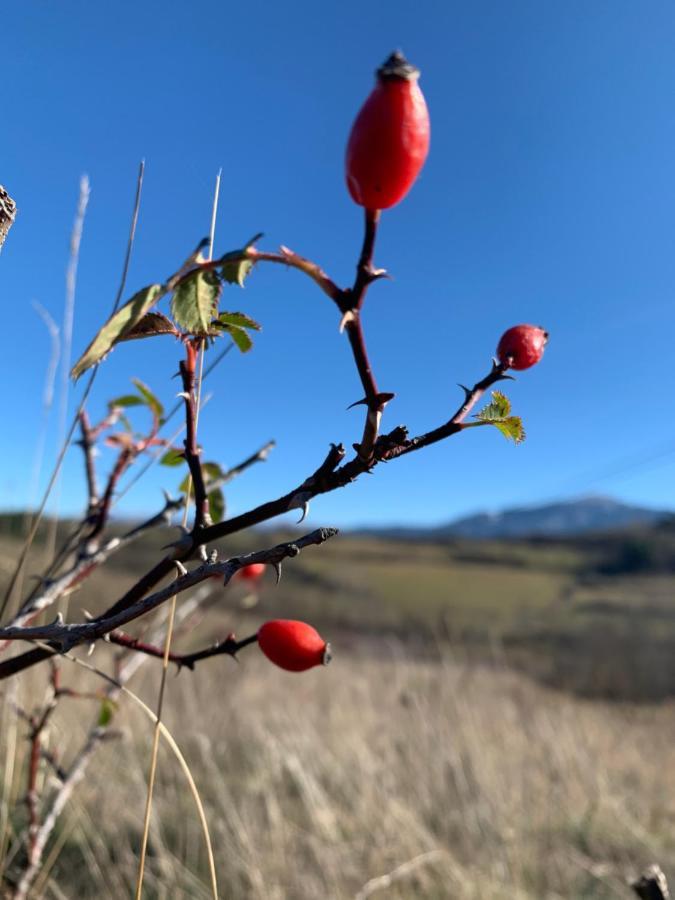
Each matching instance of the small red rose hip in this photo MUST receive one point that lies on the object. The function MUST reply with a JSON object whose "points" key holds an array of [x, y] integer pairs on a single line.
{"points": [[522, 346], [294, 646], [252, 572]]}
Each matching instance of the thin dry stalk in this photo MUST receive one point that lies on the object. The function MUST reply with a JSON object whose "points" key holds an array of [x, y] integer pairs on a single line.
{"points": [[67, 342], [172, 613]]}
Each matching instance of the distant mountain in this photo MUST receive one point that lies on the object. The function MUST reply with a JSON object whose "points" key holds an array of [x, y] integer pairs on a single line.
{"points": [[568, 518]]}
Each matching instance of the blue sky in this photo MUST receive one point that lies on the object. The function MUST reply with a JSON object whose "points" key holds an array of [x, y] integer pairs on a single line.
{"points": [[548, 196]]}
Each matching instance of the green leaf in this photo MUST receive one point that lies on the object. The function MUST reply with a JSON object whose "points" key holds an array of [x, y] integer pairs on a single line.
{"points": [[498, 408], [216, 505], [238, 319], [497, 413], [106, 713], [126, 400], [511, 428], [152, 323], [211, 471], [172, 457], [195, 302], [236, 272], [233, 268], [116, 327], [239, 336], [149, 398]]}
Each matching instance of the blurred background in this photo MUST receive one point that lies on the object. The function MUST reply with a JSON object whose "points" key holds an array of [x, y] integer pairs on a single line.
{"points": [[498, 721]]}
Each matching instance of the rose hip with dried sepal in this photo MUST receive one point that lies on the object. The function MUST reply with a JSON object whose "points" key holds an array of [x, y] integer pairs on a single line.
{"points": [[292, 645], [522, 346], [389, 140]]}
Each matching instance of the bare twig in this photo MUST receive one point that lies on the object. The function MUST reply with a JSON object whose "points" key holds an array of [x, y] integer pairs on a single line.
{"points": [[288, 257], [97, 734], [87, 444], [66, 636], [56, 588], [73, 778]]}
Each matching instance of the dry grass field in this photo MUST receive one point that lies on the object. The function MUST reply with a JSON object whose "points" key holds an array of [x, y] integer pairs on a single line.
{"points": [[378, 776], [433, 758]]}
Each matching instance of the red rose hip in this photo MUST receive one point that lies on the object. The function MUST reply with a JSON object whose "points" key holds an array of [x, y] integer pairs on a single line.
{"points": [[294, 646], [522, 346], [252, 572], [389, 140]]}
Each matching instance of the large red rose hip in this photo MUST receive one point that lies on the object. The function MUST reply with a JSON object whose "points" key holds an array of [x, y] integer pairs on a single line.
{"points": [[294, 646], [389, 140], [522, 346]]}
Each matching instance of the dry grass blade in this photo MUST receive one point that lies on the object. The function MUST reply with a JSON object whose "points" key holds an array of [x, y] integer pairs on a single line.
{"points": [[172, 614], [66, 347], [382, 882]]}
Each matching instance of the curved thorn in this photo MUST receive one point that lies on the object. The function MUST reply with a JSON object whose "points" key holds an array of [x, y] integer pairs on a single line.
{"points": [[277, 569], [305, 510], [363, 402], [347, 317]]}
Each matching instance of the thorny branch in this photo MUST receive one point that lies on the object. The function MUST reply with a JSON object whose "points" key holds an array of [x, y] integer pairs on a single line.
{"points": [[64, 637], [333, 473], [330, 475], [229, 647]]}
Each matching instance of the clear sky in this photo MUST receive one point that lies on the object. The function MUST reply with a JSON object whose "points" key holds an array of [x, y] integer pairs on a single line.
{"points": [[548, 197]]}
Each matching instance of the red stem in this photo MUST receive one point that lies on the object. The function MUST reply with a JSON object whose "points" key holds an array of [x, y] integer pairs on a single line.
{"points": [[230, 647], [192, 452]]}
